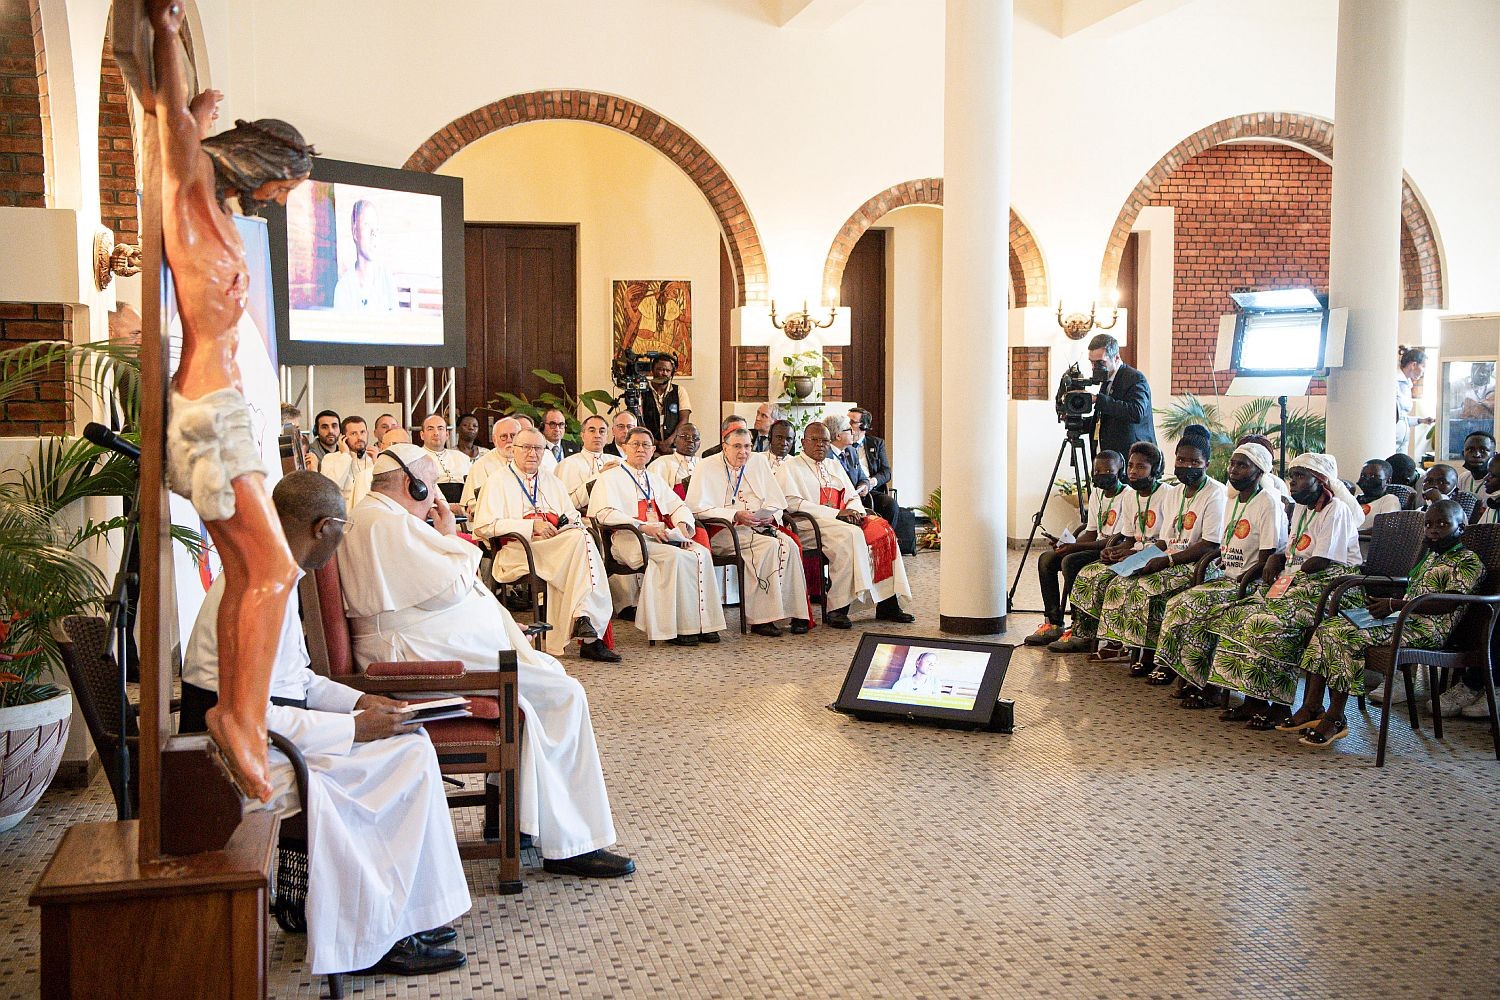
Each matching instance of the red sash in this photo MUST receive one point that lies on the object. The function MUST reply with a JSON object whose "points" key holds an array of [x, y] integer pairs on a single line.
{"points": [[645, 509], [538, 515], [881, 538], [680, 490], [830, 497]]}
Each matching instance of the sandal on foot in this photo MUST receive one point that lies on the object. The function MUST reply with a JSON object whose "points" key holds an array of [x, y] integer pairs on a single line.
{"points": [[1313, 738], [1293, 726], [1110, 654], [1160, 677], [1265, 721], [1240, 713]]}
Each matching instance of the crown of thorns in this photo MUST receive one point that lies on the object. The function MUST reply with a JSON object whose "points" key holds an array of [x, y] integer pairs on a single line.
{"points": [[303, 148]]}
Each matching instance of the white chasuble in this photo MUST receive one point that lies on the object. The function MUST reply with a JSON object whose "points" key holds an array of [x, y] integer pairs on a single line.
{"points": [[822, 489], [774, 578], [382, 859], [412, 594], [569, 561], [679, 593]]}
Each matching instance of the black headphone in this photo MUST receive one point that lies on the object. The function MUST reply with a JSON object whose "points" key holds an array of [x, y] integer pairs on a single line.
{"points": [[415, 488]]}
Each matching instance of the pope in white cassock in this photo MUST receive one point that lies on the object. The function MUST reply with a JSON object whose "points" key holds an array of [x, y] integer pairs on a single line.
{"points": [[734, 486], [679, 599], [679, 464], [412, 593], [535, 505], [383, 868], [864, 560]]}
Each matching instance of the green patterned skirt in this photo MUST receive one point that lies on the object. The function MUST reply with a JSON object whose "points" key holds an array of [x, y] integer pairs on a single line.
{"points": [[1187, 636], [1261, 642], [1133, 607], [1087, 598], [1337, 648]]}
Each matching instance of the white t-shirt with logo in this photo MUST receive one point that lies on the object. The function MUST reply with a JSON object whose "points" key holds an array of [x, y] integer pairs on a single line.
{"points": [[1250, 526], [1380, 505], [1331, 533], [1196, 517], [1104, 512], [1145, 519]]}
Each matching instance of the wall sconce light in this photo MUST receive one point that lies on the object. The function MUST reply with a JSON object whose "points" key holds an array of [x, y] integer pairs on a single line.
{"points": [[799, 324], [1077, 325]]}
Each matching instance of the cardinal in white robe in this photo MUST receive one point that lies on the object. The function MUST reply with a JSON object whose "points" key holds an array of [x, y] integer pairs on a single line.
{"points": [[350, 472], [864, 561], [412, 593], [679, 597], [524, 500], [579, 470], [493, 461], [733, 486], [677, 466], [383, 865]]}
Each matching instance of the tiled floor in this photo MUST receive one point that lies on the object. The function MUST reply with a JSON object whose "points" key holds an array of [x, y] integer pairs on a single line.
{"points": [[1114, 846]]}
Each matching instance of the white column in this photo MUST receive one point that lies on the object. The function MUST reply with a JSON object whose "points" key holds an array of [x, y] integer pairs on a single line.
{"points": [[976, 236], [1364, 273]]}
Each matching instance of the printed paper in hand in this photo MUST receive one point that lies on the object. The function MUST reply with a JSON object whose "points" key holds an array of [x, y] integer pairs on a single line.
{"points": [[1133, 562]]}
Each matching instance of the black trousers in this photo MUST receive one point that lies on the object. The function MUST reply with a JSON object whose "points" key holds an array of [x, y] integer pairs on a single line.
{"points": [[1048, 568], [196, 702]]}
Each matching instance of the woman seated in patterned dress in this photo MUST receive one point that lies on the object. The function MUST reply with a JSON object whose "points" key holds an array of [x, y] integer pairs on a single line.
{"points": [[1254, 528], [1335, 659], [1132, 610], [1144, 520], [1261, 639]]}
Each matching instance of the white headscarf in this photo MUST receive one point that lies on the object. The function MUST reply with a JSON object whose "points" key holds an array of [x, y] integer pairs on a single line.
{"points": [[1258, 456], [1326, 469]]}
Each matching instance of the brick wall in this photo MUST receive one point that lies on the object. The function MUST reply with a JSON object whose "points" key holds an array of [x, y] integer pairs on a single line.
{"points": [[23, 173], [117, 205], [833, 385], [43, 407], [751, 370], [1028, 373], [376, 388], [1247, 216]]}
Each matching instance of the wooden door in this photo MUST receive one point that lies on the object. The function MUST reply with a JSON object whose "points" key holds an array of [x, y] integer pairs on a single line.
{"points": [[522, 293], [863, 291], [1128, 285]]}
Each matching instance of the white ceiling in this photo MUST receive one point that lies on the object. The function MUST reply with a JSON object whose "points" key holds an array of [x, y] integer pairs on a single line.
{"points": [[1061, 17]]}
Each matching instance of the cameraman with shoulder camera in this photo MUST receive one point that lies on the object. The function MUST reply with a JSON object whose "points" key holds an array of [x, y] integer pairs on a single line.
{"points": [[666, 404], [1122, 412]]}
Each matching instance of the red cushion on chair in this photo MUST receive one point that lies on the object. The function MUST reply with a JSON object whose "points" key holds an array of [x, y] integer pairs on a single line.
{"points": [[480, 707], [335, 625], [416, 668], [453, 732]]}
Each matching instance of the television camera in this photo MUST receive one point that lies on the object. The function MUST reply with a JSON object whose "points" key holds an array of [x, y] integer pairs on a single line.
{"points": [[631, 372], [1074, 403]]}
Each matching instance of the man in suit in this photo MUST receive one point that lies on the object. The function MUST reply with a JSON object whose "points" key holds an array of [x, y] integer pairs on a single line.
{"points": [[554, 426], [1123, 409], [619, 429], [875, 470], [766, 414]]}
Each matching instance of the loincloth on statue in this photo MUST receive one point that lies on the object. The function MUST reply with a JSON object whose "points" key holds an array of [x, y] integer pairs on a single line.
{"points": [[210, 444]]}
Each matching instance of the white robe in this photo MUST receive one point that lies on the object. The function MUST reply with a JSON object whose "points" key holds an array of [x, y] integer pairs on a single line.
{"points": [[453, 465], [776, 584], [674, 468], [382, 859], [351, 473], [570, 563], [412, 594], [579, 470], [679, 590], [850, 569], [487, 465]]}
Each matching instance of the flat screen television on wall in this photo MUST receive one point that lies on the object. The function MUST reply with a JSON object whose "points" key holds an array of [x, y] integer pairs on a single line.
{"points": [[371, 268]]}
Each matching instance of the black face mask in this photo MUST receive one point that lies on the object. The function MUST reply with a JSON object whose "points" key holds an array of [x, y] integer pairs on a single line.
{"points": [[1446, 544], [1248, 483], [1190, 476], [1107, 483], [1143, 484], [1372, 488], [1309, 497]]}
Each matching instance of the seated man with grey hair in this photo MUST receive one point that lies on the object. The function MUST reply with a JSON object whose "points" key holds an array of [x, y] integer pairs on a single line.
{"points": [[730, 423], [501, 435], [766, 414]]}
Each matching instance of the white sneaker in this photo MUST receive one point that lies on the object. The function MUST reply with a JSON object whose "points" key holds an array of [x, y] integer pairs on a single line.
{"points": [[1376, 695], [1480, 709], [1456, 699]]}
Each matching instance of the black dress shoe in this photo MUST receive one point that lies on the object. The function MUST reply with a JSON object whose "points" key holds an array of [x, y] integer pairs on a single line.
{"points": [[889, 610], [594, 864], [709, 637], [584, 629], [437, 936], [800, 626], [684, 640], [597, 650], [626, 614], [838, 619], [768, 629], [410, 957]]}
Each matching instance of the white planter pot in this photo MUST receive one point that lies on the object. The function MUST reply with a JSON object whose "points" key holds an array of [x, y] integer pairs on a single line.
{"points": [[32, 738]]}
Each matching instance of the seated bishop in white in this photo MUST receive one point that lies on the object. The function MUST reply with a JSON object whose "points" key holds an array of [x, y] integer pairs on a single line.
{"points": [[864, 560], [733, 486], [677, 466], [504, 433], [382, 860], [412, 593], [579, 470], [679, 596], [535, 505]]}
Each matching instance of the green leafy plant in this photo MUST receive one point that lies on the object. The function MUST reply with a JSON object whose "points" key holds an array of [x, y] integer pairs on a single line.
{"points": [[1305, 430], [807, 364], [931, 536], [514, 404]]}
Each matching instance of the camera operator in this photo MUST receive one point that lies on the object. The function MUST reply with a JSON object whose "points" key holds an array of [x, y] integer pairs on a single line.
{"points": [[666, 404], [1122, 412]]}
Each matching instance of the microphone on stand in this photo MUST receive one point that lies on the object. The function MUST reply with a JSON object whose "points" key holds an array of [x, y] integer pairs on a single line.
{"points": [[106, 438]]}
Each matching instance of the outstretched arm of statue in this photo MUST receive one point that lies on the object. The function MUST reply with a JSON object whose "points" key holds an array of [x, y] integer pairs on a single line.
{"points": [[178, 127]]}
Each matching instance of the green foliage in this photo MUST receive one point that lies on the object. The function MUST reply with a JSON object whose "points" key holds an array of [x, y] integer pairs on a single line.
{"points": [[1305, 430], [514, 404], [807, 364], [932, 533]]}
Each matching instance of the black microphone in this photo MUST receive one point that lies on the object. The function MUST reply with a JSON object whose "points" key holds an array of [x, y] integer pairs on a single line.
{"points": [[106, 438]]}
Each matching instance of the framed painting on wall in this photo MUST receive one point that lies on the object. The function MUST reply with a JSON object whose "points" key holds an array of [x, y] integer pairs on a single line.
{"points": [[655, 315]]}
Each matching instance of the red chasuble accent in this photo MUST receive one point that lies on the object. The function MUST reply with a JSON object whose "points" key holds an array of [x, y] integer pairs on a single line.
{"points": [[646, 510], [830, 497], [681, 491], [881, 538], [538, 515]]}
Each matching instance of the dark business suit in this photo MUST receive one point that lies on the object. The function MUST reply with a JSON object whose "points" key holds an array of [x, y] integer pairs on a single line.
{"points": [[566, 447], [1124, 414], [759, 441], [879, 498], [613, 449]]}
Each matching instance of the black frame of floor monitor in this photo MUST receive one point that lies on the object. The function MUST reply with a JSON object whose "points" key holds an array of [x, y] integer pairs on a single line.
{"points": [[982, 715]]}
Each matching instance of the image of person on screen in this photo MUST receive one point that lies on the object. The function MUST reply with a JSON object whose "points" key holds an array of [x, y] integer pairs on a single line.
{"points": [[367, 285], [918, 678]]}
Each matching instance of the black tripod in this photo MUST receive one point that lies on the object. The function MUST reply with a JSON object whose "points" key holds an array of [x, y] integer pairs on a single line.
{"points": [[1076, 446]]}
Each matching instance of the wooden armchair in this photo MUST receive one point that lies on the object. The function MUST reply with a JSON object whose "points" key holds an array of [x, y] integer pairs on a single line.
{"points": [[488, 743], [735, 559], [534, 583], [814, 558]]}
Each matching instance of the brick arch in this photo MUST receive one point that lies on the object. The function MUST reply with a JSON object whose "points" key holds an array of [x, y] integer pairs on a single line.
{"points": [[1028, 272], [633, 119], [117, 166], [1423, 281]]}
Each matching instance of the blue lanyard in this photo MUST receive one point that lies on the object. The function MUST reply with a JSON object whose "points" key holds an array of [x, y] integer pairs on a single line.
{"points": [[735, 495], [644, 491], [535, 490]]}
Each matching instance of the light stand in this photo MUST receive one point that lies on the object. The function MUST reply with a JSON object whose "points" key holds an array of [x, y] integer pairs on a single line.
{"points": [[1281, 401], [1075, 444]]}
